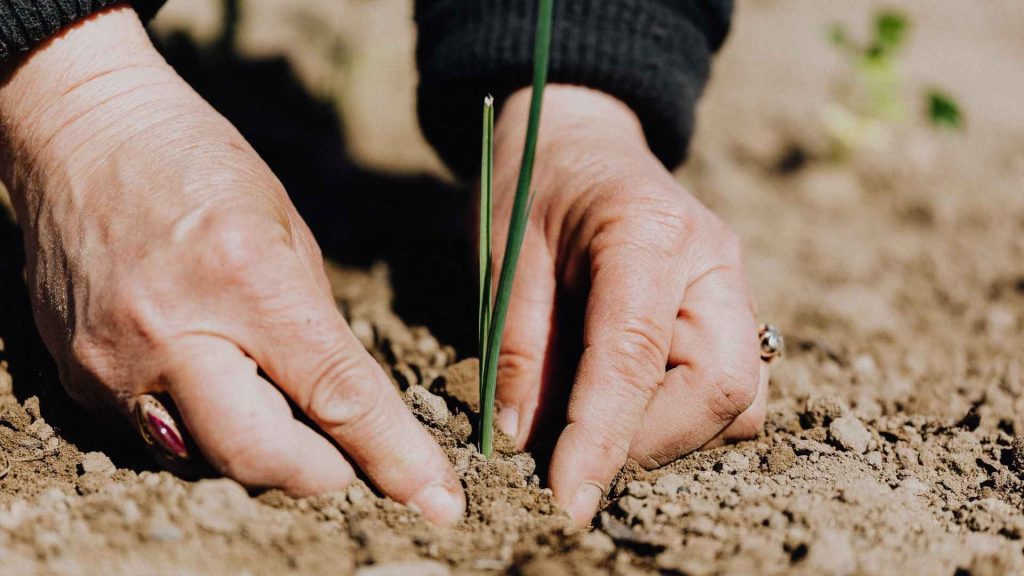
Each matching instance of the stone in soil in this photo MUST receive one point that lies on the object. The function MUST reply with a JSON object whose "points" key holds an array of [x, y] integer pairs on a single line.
{"points": [[848, 433]]}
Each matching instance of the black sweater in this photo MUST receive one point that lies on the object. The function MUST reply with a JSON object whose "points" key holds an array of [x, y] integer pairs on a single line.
{"points": [[652, 54]]}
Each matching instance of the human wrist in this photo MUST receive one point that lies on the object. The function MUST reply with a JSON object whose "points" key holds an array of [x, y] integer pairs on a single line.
{"points": [[572, 116], [97, 60], [584, 135]]}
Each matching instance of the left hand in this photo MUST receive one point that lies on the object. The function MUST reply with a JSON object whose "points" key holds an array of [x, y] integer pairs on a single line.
{"points": [[670, 360]]}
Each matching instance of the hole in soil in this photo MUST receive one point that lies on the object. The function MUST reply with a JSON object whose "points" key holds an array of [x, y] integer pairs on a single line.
{"points": [[792, 160], [798, 553]]}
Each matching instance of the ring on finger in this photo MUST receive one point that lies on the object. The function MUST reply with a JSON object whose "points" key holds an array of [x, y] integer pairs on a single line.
{"points": [[771, 342], [159, 429]]}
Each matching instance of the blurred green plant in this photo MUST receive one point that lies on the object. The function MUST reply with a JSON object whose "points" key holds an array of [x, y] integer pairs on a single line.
{"points": [[943, 110], [874, 97]]}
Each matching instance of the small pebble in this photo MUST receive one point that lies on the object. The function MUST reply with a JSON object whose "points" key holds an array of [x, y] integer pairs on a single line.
{"points": [[428, 404], [914, 486], [1017, 453], [41, 430], [865, 366], [6, 382], [160, 528], [220, 505], [32, 407], [669, 485], [672, 510], [597, 541], [630, 505], [639, 489], [1000, 321], [907, 456], [822, 410], [427, 345], [874, 459], [780, 458], [733, 463], [701, 525], [849, 434], [405, 376], [860, 490], [97, 462], [357, 494]]}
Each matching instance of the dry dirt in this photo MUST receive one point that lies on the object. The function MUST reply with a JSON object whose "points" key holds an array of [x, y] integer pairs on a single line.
{"points": [[895, 436]]}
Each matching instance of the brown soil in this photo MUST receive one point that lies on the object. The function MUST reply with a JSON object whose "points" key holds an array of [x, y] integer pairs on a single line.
{"points": [[895, 439]]}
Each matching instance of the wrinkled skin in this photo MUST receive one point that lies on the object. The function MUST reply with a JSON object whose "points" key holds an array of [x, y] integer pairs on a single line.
{"points": [[669, 359], [164, 256]]}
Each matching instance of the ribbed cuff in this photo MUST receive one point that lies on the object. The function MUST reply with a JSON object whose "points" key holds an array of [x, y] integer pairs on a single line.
{"points": [[25, 23], [654, 55]]}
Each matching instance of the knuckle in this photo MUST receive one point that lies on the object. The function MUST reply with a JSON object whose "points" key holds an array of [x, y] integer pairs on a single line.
{"points": [[669, 219], [732, 392], [639, 356], [649, 221], [608, 444], [130, 311], [344, 395], [86, 354], [233, 250], [728, 247], [730, 243], [516, 364]]}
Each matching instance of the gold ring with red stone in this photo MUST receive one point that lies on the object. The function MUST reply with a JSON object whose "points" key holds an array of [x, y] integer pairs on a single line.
{"points": [[159, 429]]}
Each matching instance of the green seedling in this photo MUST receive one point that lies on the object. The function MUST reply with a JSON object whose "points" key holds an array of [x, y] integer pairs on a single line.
{"points": [[874, 100], [943, 111], [493, 312]]}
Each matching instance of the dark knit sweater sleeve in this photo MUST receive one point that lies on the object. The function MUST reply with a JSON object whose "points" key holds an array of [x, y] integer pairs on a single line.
{"points": [[654, 55], [25, 23]]}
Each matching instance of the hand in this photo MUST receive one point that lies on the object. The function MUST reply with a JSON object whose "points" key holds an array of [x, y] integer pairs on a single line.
{"points": [[165, 256], [670, 359]]}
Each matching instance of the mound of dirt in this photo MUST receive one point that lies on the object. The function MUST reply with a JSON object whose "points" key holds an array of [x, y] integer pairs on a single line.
{"points": [[825, 489]]}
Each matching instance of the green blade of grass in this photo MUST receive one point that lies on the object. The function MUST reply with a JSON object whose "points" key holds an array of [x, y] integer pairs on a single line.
{"points": [[484, 246], [517, 225]]}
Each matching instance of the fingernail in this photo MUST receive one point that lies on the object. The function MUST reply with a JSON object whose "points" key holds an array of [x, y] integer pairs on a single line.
{"points": [[508, 421], [439, 504], [584, 503]]}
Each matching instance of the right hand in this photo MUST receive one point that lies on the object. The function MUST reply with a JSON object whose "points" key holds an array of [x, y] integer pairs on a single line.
{"points": [[164, 256]]}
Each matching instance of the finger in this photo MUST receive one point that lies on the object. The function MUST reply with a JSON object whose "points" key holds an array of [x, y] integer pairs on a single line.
{"points": [[715, 350], [527, 341], [750, 423], [311, 353], [632, 304], [244, 426]]}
